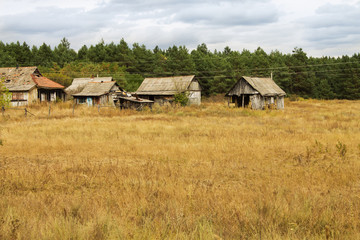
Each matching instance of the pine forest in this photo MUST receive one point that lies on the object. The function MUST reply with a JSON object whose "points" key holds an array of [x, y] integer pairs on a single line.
{"points": [[298, 74]]}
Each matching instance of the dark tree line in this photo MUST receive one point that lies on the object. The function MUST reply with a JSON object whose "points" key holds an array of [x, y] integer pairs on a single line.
{"points": [[217, 71]]}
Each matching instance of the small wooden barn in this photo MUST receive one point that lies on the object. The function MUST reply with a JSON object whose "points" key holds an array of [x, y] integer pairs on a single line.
{"points": [[97, 93], [26, 85], [257, 93], [162, 90]]}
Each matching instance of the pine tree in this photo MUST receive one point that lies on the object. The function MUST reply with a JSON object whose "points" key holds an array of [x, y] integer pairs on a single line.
{"points": [[300, 81], [63, 53]]}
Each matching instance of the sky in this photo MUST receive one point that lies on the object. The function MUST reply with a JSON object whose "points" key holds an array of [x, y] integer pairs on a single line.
{"points": [[319, 27]]}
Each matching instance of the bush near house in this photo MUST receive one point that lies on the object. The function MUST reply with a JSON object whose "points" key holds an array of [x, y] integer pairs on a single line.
{"points": [[4, 94], [181, 98]]}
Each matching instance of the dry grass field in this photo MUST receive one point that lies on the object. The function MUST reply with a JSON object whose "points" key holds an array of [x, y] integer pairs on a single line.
{"points": [[208, 172]]}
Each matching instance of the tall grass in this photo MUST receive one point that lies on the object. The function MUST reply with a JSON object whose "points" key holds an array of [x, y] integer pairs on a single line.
{"points": [[208, 172]]}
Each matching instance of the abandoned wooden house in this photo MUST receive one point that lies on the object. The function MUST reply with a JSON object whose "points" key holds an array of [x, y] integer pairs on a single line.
{"points": [[162, 90], [26, 85], [124, 100], [78, 84], [257, 93], [97, 93]]}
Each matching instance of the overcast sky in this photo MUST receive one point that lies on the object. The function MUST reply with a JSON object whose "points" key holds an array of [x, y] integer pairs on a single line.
{"points": [[319, 27]]}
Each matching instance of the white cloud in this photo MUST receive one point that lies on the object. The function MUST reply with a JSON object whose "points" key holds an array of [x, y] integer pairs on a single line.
{"points": [[318, 27]]}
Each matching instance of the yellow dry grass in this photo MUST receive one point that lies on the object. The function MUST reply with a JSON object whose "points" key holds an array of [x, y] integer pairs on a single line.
{"points": [[208, 172]]}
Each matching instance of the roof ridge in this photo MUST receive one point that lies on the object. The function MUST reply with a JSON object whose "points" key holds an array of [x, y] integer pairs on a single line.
{"points": [[172, 76], [20, 67], [104, 82]]}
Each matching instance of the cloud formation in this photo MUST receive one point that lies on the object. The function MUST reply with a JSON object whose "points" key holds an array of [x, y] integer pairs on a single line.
{"points": [[227, 14], [334, 26], [237, 23], [53, 20]]}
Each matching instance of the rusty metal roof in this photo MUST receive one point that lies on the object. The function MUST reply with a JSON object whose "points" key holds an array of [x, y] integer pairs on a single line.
{"points": [[165, 85], [43, 82]]}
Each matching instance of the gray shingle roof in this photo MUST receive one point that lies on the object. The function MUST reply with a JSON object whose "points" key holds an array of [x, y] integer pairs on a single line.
{"points": [[165, 85], [18, 79], [265, 86], [78, 84], [26, 78], [96, 89]]}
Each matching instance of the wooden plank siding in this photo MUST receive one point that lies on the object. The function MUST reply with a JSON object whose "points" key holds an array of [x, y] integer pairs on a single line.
{"points": [[257, 93], [162, 90]]}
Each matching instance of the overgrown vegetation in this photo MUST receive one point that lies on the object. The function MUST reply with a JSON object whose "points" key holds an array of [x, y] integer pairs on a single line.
{"points": [[4, 100], [296, 73], [4, 94], [198, 172], [181, 98]]}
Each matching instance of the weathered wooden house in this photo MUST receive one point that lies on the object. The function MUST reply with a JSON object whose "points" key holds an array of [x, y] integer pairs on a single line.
{"points": [[26, 85], [78, 84], [256, 92], [97, 93], [162, 90]]}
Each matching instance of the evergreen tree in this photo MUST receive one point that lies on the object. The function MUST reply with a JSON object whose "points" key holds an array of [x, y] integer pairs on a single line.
{"points": [[300, 81], [6, 60], [63, 53], [204, 67], [25, 56], [143, 59], [97, 53], [82, 53], [124, 55], [44, 56], [178, 61], [260, 63], [280, 70], [111, 52]]}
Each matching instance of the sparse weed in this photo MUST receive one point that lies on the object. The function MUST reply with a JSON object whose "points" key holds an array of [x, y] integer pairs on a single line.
{"points": [[342, 149]]}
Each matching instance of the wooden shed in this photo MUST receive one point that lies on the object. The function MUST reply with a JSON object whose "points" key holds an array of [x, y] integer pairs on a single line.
{"points": [[125, 100], [78, 84], [27, 85], [162, 90], [257, 93], [97, 93]]}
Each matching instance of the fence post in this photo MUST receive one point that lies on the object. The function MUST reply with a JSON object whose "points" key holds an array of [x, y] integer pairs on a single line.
{"points": [[3, 110], [98, 108], [49, 109], [73, 108], [25, 112]]}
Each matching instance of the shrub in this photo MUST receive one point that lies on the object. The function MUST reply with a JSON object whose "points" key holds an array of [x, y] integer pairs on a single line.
{"points": [[4, 94], [181, 98]]}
